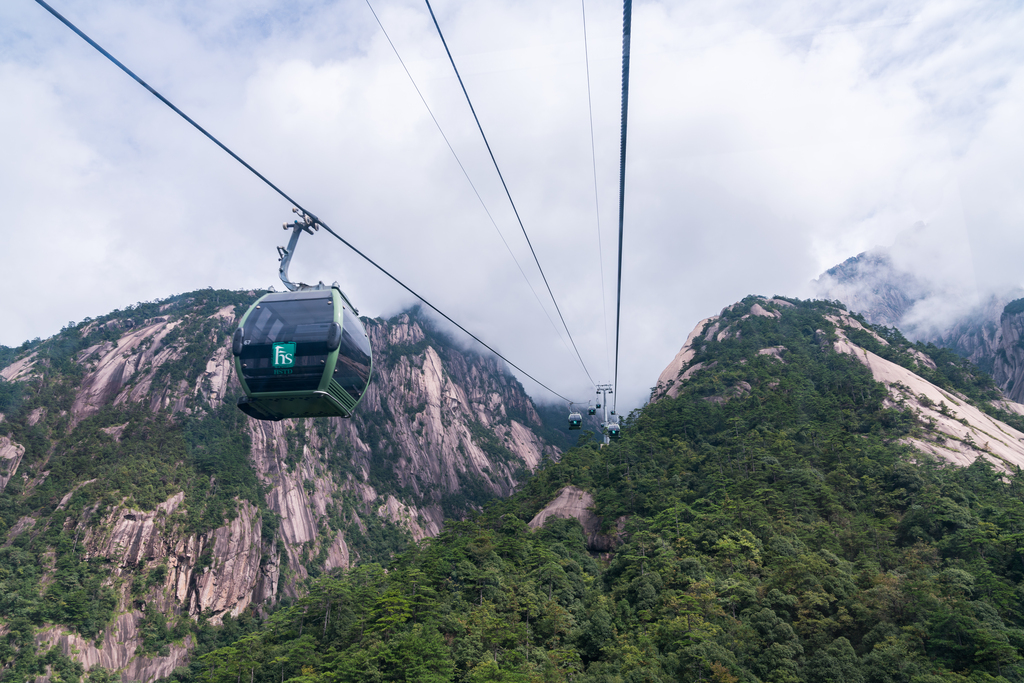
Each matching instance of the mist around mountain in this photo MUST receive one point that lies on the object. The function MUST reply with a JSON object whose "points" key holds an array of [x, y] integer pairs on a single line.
{"points": [[141, 513], [871, 284], [806, 498], [929, 295]]}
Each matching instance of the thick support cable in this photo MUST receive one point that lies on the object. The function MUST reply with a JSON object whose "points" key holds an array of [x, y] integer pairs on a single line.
{"points": [[627, 21], [597, 204], [507, 193], [281, 192]]}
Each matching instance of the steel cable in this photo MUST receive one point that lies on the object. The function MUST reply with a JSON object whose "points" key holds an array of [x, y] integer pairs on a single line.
{"points": [[283, 194], [468, 179], [507, 193], [597, 205], [627, 21]]}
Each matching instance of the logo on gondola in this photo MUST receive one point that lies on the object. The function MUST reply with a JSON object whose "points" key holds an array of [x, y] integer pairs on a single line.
{"points": [[283, 354]]}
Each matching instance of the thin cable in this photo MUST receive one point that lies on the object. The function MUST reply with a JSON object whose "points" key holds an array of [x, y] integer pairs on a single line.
{"points": [[507, 193], [469, 180], [163, 99], [597, 206], [283, 194], [435, 308], [627, 21]]}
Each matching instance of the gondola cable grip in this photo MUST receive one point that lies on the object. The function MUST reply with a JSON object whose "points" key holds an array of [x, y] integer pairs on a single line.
{"points": [[306, 223]]}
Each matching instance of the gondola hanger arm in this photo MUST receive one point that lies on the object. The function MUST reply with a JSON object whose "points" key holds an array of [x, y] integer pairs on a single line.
{"points": [[306, 223]]}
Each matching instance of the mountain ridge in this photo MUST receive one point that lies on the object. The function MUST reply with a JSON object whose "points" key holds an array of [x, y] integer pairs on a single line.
{"points": [[772, 520], [987, 332], [137, 489]]}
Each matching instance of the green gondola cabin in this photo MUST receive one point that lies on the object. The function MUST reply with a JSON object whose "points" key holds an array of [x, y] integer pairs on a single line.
{"points": [[302, 354]]}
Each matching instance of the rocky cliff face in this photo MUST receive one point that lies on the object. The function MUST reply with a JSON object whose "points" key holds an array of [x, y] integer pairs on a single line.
{"points": [[952, 427], [170, 516], [872, 285], [958, 432], [1008, 358], [573, 502], [989, 336], [975, 336]]}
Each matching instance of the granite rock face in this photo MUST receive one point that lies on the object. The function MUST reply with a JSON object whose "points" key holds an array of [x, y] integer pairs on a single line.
{"points": [[1008, 359], [991, 338], [988, 332], [117, 651], [871, 284], [575, 503], [958, 432], [11, 454], [437, 429]]}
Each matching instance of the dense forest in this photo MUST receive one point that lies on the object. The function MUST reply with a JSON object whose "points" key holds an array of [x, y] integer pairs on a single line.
{"points": [[768, 524], [46, 577], [779, 532], [69, 474]]}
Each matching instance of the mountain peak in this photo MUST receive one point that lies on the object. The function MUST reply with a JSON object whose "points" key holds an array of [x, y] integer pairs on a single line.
{"points": [[959, 416], [129, 475]]}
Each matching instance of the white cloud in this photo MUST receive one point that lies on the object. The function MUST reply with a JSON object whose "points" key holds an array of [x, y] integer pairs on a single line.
{"points": [[767, 143]]}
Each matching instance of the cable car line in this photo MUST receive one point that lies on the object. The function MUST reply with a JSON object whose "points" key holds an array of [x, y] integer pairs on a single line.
{"points": [[627, 30], [507, 193], [435, 308], [468, 179], [163, 99], [597, 206], [283, 194]]}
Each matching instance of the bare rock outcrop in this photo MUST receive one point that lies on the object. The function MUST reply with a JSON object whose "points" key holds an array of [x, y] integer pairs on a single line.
{"points": [[1008, 364], [112, 365], [991, 337], [219, 572], [469, 417], [214, 572], [774, 352], [443, 421], [671, 374], [575, 503], [20, 370], [682, 367], [11, 454], [757, 310], [226, 585], [117, 650], [132, 537], [961, 433]]}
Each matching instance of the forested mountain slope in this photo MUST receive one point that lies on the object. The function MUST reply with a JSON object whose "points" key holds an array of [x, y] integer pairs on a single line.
{"points": [[135, 499], [933, 384], [770, 517]]}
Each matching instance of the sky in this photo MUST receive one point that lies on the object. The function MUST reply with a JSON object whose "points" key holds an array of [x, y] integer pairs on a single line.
{"points": [[767, 142]]}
